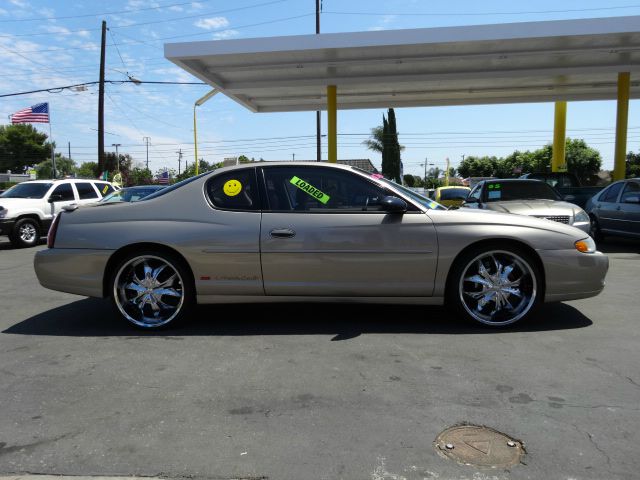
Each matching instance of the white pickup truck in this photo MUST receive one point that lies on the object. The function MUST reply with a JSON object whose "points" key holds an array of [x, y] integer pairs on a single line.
{"points": [[27, 209]]}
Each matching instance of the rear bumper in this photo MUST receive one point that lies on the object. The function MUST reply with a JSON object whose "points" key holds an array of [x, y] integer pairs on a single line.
{"points": [[70, 270], [571, 275]]}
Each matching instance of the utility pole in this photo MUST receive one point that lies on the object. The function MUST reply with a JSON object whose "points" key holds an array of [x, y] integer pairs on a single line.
{"points": [[69, 145], [318, 130], [294, 156], [425, 172], [179, 152], [146, 139], [101, 100], [117, 156], [446, 175]]}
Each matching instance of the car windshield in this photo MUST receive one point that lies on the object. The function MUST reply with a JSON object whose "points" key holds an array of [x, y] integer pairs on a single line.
{"points": [[129, 194], [454, 193], [416, 197], [27, 190], [164, 191], [533, 190]]}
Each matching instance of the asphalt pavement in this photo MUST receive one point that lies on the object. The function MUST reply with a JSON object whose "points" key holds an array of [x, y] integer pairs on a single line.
{"points": [[299, 392]]}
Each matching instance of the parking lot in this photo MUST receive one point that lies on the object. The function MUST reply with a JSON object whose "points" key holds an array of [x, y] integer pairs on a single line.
{"points": [[315, 391]]}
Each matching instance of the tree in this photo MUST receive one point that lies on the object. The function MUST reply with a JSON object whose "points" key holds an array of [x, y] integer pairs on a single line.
{"points": [[393, 146], [64, 166], [632, 167], [203, 167], [409, 180], [22, 146], [376, 141], [139, 176], [88, 170]]}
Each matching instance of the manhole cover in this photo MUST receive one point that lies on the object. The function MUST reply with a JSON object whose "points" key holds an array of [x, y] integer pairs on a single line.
{"points": [[480, 446]]}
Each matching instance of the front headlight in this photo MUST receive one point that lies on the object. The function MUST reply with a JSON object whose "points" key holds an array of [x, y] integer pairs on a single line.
{"points": [[586, 245], [581, 217]]}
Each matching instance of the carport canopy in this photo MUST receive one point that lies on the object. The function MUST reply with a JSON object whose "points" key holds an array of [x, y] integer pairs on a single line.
{"points": [[483, 64]]}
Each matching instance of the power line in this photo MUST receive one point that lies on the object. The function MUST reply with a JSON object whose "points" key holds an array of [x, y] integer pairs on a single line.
{"points": [[136, 82], [129, 10]]}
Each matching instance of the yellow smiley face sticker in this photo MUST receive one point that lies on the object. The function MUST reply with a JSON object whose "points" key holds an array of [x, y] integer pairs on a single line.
{"points": [[232, 188]]}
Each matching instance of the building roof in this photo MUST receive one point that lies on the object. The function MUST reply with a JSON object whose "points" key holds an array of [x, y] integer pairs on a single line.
{"points": [[502, 63]]}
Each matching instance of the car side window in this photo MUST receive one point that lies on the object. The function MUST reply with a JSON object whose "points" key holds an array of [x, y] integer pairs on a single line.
{"points": [[65, 191], [104, 188], [235, 190], [320, 189], [610, 195], [631, 190], [86, 191]]}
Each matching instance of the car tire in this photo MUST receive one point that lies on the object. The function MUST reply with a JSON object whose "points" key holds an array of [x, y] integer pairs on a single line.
{"points": [[26, 233], [495, 286], [594, 230], [152, 289]]}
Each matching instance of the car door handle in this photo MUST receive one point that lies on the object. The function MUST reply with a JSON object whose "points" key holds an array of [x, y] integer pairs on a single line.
{"points": [[282, 233]]}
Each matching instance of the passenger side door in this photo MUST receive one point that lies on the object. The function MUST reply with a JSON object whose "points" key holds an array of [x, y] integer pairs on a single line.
{"points": [[607, 208], [630, 206], [324, 233]]}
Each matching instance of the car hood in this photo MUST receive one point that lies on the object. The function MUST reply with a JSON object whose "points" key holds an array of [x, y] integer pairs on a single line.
{"points": [[535, 208], [9, 203]]}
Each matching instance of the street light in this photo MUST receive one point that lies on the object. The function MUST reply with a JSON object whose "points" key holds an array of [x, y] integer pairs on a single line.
{"points": [[117, 157], [199, 102]]}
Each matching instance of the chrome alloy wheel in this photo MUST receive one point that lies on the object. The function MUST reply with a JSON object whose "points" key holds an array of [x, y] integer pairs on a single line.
{"points": [[148, 291], [497, 288], [27, 232]]}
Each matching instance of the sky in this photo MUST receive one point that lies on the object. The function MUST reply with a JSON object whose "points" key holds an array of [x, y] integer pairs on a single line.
{"points": [[48, 44]]}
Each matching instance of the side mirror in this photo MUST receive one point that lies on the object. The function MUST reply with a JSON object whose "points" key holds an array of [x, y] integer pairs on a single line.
{"points": [[569, 198], [54, 198], [471, 200], [393, 204]]}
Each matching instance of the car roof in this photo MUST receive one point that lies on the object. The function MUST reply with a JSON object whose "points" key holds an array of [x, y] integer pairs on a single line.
{"points": [[66, 180], [512, 180], [453, 186], [269, 164]]}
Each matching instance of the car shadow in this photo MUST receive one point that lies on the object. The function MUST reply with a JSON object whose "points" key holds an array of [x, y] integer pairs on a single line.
{"points": [[94, 317]]}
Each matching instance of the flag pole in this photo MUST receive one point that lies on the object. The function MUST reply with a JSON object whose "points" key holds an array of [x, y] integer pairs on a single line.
{"points": [[53, 156]]}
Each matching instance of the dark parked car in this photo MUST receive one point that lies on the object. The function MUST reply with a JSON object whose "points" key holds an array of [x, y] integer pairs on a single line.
{"points": [[567, 185], [616, 210]]}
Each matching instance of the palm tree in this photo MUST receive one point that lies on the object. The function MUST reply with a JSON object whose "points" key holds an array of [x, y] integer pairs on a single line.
{"points": [[376, 141]]}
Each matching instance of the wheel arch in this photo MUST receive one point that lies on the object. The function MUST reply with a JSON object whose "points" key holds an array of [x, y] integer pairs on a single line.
{"points": [[122, 252], [31, 216], [496, 243]]}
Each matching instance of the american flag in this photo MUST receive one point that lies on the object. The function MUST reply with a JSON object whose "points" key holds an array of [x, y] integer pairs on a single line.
{"points": [[163, 179], [35, 114]]}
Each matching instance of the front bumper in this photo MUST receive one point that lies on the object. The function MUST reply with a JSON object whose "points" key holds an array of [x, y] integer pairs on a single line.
{"points": [[571, 275], [72, 270], [6, 226]]}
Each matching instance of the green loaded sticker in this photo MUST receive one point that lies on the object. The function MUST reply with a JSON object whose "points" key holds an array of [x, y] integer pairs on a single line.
{"points": [[310, 190]]}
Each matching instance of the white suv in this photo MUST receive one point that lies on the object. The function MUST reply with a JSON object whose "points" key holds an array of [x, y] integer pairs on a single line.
{"points": [[27, 209]]}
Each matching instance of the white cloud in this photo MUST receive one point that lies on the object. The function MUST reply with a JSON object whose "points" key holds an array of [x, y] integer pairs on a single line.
{"points": [[176, 8], [45, 12], [212, 23], [3, 12], [225, 34], [20, 3], [196, 6]]}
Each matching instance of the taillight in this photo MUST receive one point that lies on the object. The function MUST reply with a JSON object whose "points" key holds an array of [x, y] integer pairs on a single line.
{"points": [[53, 229]]}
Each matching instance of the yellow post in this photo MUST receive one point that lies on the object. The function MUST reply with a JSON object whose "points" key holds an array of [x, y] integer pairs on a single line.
{"points": [[622, 119], [558, 163], [446, 174], [332, 120]]}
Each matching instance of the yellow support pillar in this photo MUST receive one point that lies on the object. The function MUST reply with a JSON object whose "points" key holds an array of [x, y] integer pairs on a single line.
{"points": [[332, 120], [558, 163], [622, 119]]}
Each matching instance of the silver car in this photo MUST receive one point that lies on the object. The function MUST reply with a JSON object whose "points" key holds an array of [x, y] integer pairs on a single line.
{"points": [[298, 232], [526, 197]]}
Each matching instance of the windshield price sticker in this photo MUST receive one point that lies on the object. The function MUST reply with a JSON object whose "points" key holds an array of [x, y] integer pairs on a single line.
{"points": [[495, 186], [310, 190]]}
